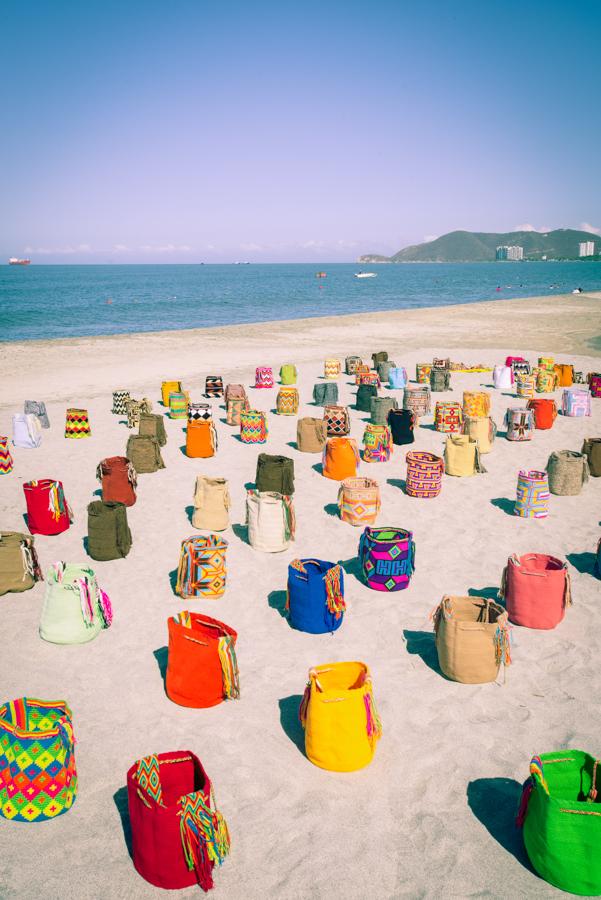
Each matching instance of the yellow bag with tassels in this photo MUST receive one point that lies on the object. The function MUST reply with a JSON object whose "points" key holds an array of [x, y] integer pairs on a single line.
{"points": [[169, 387], [339, 715]]}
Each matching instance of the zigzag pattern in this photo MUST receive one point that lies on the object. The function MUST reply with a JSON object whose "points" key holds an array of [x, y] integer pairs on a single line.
{"points": [[287, 401], [6, 460], [148, 776], [476, 403], [253, 427], [119, 402], [263, 377], [77, 424], [214, 386]]}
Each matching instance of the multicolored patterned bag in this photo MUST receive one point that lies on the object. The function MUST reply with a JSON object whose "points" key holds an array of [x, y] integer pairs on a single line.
{"points": [[532, 495], [502, 377], [380, 407], [263, 377], [545, 412], [340, 458], [462, 456], [135, 409], [199, 412], [546, 382], [422, 373], [178, 835], [359, 501], [202, 669], [38, 778], [202, 567], [370, 378], [546, 362], [448, 416], [288, 374], [311, 435], [365, 392], [340, 718], [592, 450], [235, 406], [377, 443], [47, 509], [482, 429], [472, 639], [519, 365], [270, 520], [561, 820], [77, 424], [120, 398], [440, 380], [75, 608], [287, 401], [579, 378], [253, 427], [576, 402], [325, 394], [387, 558], [397, 377], [211, 504], [418, 400], [315, 596], [351, 363], [476, 403], [169, 387], [332, 368], [338, 420], [424, 474], [19, 566], [6, 460], [525, 385], [594, 383], [213, 386], [519, 423], [361, 369], [402, 425], [178, 405], [536, 590], [567, 471]]}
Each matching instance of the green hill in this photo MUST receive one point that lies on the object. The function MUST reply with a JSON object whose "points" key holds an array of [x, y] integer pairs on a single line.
{"points": [[476, 246]]}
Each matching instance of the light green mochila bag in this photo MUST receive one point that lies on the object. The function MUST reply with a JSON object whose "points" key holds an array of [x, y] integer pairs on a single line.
{"points": [[288, 374], [75, 608]]}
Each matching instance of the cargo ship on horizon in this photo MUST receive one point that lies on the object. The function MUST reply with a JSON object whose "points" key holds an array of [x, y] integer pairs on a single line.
{"points": [[14, 261]]}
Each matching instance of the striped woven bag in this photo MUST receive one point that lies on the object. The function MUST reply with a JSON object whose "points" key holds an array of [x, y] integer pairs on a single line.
{"points": [[532, 495], [424, 474]]}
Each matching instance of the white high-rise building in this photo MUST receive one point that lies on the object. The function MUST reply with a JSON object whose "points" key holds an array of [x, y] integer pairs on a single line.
{"points": [[510, 253], [586, 248]]}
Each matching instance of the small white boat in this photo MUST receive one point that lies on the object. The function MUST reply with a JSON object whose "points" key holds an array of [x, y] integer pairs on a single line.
{"points": [[366, 275]]}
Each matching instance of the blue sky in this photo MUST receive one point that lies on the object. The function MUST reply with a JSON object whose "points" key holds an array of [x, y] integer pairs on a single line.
{"points": [[219, 131]]}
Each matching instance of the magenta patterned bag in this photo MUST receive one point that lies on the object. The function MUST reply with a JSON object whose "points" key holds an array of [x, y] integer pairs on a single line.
{"points": [[594, 383], [387, 558], [263, 377]]}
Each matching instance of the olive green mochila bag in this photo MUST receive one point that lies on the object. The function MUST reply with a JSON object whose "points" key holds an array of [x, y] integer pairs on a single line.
{"points": [[109, 536], [144, 454], [275, 473], [19, 567], [153, 425]]}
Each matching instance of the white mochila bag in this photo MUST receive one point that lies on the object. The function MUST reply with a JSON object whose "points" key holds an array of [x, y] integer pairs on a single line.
{"points": [[502, 377], [270, 520], [211, 504], [27, 431]]}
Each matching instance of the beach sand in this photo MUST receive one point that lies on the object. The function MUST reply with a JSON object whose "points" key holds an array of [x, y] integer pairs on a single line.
{"points": [[433, 814]]}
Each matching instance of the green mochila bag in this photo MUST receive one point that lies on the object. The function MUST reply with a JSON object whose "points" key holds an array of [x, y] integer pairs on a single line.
{"points": [[275, 474], [153, 425], [109, 536], [75, 608], [144, 454], [19, 567], [288, 374], [364, 394], [560, 813]]}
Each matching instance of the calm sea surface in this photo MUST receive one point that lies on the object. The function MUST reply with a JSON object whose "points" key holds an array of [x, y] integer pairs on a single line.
{"points": [[69, 301]]}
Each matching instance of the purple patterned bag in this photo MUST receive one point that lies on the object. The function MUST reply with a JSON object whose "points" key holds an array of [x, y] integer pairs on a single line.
{"points": [[387, 558]]}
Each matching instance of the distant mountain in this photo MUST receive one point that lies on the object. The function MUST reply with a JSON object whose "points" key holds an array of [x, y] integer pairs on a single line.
{"points": [[479, 246]]}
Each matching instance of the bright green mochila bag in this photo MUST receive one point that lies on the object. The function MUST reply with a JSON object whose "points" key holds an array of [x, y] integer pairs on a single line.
{"points": [[560, 813], [288, 374]]}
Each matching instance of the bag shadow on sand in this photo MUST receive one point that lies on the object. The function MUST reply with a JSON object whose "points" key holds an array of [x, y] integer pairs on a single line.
{"points": [[290, 722], [495, 802]]}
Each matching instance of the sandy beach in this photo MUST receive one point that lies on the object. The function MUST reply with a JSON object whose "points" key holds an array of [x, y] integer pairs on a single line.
{"points": [[432, 816]]}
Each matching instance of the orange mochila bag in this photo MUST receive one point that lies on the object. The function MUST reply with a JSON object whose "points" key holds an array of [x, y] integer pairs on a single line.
{"points": [[202, 669]]}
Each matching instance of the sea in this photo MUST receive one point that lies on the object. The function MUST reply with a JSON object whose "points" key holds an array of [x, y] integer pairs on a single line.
{"points": [[56, 301]]}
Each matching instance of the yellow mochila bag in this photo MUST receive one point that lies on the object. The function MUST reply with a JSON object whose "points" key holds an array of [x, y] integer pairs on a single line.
{"points": [[462, 456], [169, 387], [339, 715]]}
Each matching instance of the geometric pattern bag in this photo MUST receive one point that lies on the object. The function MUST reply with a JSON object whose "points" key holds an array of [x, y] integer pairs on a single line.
{"points": [[178, 405], [199, 412], [360, 370], [387, 558], [359, 501], [547, 363], [472, 639], [476, 403], [75, 608], [519, 423], [377, 443], [337, 420], [576, 402], [536, 589], [263, 377], [119, 399], [448, 416], [77, 424], [532, 495], [525, 385], [424, 474], [134, 409], [315, 596], [351, 363], [287, 401], [332, 368], [202, 569], [594, 383], [253, 427], [6, 460], [202, 669], [340, 718], [38, 778], [369, 378], [178, 835], [417, 400], [235, 406], [422, 373], [546, 381], [213, 386]]}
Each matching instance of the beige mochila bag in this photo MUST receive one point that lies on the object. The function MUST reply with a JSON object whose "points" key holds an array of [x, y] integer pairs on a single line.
{"points": [[311, 435], [461, 456], [472, 639], [481, 429], [211, 504]]}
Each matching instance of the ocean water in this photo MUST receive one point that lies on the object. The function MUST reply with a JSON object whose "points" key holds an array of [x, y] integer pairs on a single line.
{"points": [[38, 302]]}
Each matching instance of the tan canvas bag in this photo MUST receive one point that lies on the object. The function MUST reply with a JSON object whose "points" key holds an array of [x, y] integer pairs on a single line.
{"points": [[311, 435], [211, 504], [472, 639], [481, 429], [461, 456]]}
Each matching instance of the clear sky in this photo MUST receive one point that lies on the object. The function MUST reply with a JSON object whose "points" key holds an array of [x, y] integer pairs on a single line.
{"points": [[188, 131]]}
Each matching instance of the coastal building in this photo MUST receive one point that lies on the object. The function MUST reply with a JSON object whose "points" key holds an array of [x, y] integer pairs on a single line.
{"points": [[586, 248], [510, 253]]}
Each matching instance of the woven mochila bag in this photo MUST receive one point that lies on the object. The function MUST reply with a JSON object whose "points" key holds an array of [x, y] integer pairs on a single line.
{"points": [[402, 425], [377, 443], [253, 427], [377, 358], [594, 383], [418, 400], [536, 590], [424, 474], [77, 424], [380, 408], [211, 504], [397, 378], [109, 536], [120, 398], [567, 471], [448, 416], [234, 392], [288, 374], [518, 364], [311, 435], [37, 408], [134, 409], [201, 439], [27, 431], [178, 835], [202, 669], [351, 363], [546, 362], [38, 777], [502, 377], [235, 406], [213, 386], [370, 378], [47, 509], [476, 403], [362, 369], [340, 458], [338, 420], [275, 474], [525, 385], [325, 394], [422, 373], [365, 393], [118, 479], [263, 377], [332, 368], [270, 520], [287, 401], [472, 639], [440, 380], [169, 387], [19, 566], [565, 374], [359, 501], [546, 381], [592, 450], [462, 456], [383, 369], [178, 405], [532, 495], [520, 424], [144, 453], [579, 378], [560, 813], [340, 718], [199, 412], [576, 402], [315, 596], [482, 429], [202, 567], [545, 413], [153, 425], [387, 558], [75, 608], [6, 460]]}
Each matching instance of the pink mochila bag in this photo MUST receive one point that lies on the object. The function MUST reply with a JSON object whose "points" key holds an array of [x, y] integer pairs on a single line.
{"points": [[536, 589]]}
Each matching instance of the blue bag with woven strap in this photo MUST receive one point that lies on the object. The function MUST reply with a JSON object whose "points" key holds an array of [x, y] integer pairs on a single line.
{"points": [[315, 596]]}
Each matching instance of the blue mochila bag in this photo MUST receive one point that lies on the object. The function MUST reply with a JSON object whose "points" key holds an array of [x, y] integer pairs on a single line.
{"points": [[315, 600]]}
